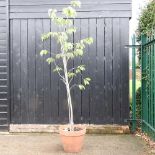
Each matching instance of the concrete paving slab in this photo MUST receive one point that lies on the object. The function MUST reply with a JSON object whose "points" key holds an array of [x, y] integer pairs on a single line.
{"points": [[49, 144]]}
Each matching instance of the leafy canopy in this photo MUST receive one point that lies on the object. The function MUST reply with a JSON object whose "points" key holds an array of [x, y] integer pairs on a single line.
{"points": [[147, 20], [68, 49]]}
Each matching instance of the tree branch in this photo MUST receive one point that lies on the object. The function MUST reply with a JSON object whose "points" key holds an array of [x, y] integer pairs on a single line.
{"points": [[74, 85], [62, 77], [71, 80], [53, 53]]}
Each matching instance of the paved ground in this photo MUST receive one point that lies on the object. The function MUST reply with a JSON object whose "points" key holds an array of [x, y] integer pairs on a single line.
{"points": [[47, 144]]}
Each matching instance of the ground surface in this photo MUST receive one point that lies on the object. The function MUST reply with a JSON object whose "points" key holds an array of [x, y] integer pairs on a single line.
{"points": [[49, 144]]}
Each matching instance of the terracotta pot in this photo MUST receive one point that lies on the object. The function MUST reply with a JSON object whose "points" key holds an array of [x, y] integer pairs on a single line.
{"points": [[72, 140]]}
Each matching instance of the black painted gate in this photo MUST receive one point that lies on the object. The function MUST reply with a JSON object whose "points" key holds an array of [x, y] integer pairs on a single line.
{"points": [[38, 96]]}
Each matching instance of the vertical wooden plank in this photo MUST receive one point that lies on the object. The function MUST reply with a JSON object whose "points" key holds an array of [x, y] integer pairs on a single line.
{"points": [[24, 73], [108, 70], [8, 62], [116, 71], [93, 72], [31, 70], [47, 76], [77, 80], [54, 82], [99, 106], [85, 60], [16, 72], [11, 73], [39, 72], [124, 23]]}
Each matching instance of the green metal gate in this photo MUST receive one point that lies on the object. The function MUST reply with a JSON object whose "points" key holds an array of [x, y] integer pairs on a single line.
{"points": [[148, 85]]}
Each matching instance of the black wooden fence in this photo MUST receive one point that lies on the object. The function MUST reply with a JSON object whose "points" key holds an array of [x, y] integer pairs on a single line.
{"points": [[36, 94]]}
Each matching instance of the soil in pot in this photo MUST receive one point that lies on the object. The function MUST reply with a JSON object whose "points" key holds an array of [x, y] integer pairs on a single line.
{"points": [[72, 140]]}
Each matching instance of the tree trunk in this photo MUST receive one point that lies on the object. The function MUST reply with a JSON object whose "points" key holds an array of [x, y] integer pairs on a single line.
{"points": [[69, 100]]}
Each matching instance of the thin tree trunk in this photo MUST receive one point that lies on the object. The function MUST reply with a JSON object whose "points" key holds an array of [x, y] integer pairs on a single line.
{"points": [[71, 121]]}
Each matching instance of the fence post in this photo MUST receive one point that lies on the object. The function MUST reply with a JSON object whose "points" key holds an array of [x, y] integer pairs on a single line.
{"points": [[143, 81], [133, 85], [154, 82]]}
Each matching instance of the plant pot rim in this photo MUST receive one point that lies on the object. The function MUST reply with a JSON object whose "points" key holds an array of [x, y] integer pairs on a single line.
{"points": [[72, 133]]}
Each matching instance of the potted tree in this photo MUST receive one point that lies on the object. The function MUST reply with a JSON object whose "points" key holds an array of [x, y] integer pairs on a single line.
{"points": [[71, 135]]}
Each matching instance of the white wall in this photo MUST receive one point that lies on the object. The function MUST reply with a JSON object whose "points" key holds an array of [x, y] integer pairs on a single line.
{"points": [[137, 6]]}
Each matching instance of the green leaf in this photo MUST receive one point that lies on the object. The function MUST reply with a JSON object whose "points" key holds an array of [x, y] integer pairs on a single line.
{"points": [[57, 69], [78, 52], [80, 68], [68, 22], [88, 40], [62, 22], [52, 13], [86, 81], [50, 60], [43, 52], [71, 74], [62, 38], [76, 3], [45, 36], [81, 87], [80, 45], [69, 12], [67, 46], [71, 30], [70, 55], [58, 56], [77, 71]]}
